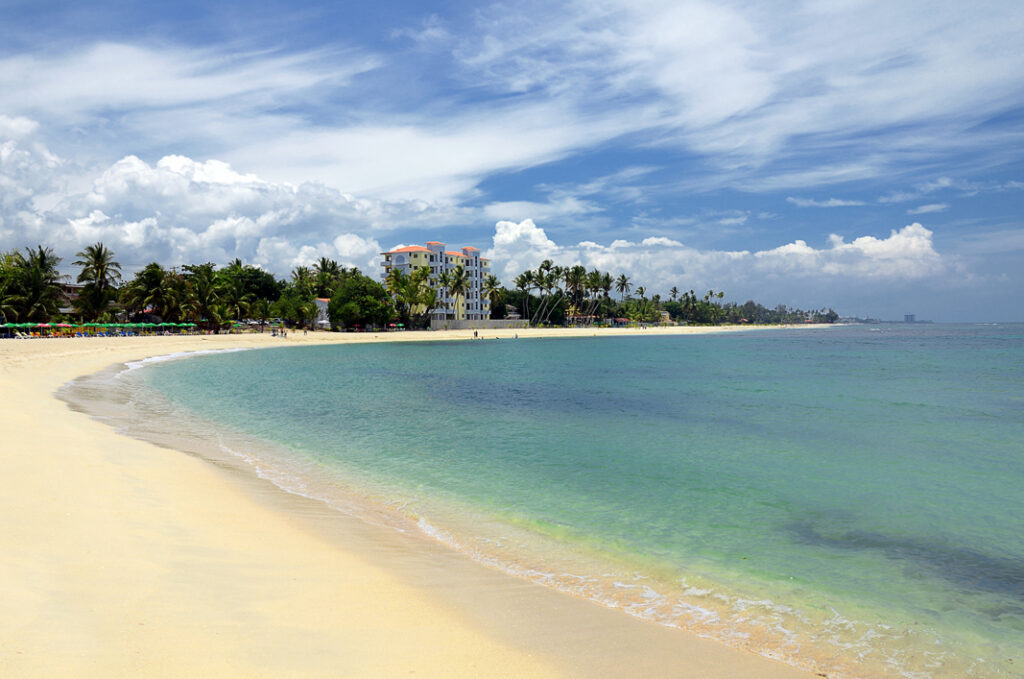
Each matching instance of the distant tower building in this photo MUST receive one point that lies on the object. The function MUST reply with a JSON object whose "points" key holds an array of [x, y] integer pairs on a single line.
{"points": [[909, 318], [474, 306]]}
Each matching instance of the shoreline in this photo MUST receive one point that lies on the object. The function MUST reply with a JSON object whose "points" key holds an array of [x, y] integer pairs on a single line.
{"points": [[129, 558]]}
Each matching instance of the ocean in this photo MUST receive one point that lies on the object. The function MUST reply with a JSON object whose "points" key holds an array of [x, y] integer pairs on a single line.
{"points": [[847, 499]]}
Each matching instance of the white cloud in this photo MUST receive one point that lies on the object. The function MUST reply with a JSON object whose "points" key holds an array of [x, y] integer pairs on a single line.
{"points": [[831, 202], [16, 127], [659, 263], [181, 210], [929, 208]]}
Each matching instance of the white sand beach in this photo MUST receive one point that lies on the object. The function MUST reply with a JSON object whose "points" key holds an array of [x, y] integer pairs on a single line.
{"points": [[122, 558]]}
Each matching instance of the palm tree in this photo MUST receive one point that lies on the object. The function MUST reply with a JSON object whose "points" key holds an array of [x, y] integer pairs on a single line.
{"points": [[673, 293], [444, 283], [326, 274], [575, 282], [524, 283], [459, 285], [492, 290], [622, 286], [303, 280], [641, 291], [37, 284], [595, 283], [203, 294], [7, 279], [98, 266], [260, 311]]}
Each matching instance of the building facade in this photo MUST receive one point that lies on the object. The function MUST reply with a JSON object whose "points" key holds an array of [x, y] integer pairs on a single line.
{"points": [[474, 305]]}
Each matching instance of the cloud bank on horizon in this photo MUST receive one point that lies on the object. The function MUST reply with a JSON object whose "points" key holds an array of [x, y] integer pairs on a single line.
{"points": [[859, 155]]}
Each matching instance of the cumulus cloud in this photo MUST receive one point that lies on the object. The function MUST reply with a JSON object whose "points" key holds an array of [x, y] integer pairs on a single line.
{"points": [[659, 263], [180, 210]]}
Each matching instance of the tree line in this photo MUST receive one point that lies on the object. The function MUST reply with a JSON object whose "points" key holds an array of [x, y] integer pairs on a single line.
{"points": [[572, 295], [32, 289]]}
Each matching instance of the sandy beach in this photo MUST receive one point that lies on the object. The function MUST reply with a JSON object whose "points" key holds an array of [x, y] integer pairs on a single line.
{"points": [[123, 558]]}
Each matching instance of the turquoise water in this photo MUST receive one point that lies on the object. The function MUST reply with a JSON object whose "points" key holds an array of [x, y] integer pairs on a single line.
{"points": [[849, 499]]}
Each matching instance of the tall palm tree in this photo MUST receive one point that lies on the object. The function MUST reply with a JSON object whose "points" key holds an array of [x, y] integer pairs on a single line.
{"points": [[459, 285], [203, 294], [641, 291], [101, 275], [673, 293], [492, 290], [575, 282], [595, 283], [547, 279], [622, 285], [444, 284], [524, 283]]}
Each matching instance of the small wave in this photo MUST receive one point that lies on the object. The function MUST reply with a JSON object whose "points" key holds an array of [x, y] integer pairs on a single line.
{"points": [[134, 365]]}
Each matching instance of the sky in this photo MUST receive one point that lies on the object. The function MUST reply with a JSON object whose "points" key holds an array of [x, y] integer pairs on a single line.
{"points": [[865, 156]]}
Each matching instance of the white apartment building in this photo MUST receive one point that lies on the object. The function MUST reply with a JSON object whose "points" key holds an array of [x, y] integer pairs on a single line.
{"points": [[474, 306]]}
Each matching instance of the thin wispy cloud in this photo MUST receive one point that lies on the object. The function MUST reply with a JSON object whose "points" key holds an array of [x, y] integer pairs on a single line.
{"points": [[928, 209], [831, 202]]}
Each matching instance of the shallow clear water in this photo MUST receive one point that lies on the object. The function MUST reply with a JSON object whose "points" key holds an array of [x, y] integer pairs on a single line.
{"points": [[849, 499]]}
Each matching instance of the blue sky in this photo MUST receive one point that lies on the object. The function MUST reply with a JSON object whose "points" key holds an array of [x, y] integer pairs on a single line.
{"points": [[861, 155]]}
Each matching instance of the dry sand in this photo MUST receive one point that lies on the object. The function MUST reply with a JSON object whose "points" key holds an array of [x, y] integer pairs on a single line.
{"points": [[121, 558]]}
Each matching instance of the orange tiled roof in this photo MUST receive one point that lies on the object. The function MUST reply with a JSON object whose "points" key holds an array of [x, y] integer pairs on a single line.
{"points": [[455, 254], [434, 242], [411, 248], [471, 248]]}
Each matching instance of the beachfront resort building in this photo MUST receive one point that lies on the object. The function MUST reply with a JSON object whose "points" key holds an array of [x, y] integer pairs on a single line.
{"points": [[474, 305]]}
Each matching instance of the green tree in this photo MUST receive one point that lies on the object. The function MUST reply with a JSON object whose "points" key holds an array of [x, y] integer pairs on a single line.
{"points": [[7, 279], [101, 276], [203, 295], [327, 274], [622, 286], [524, 284], [261, 311], [35, 285], [458, 285], [359, 300], [493, 291]]}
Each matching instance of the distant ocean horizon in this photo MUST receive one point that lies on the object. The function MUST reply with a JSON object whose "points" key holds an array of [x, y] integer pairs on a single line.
{"points": [[847, 499]]}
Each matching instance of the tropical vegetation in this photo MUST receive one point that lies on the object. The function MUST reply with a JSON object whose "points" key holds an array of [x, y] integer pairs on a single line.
{"points": [[32, 289]]}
